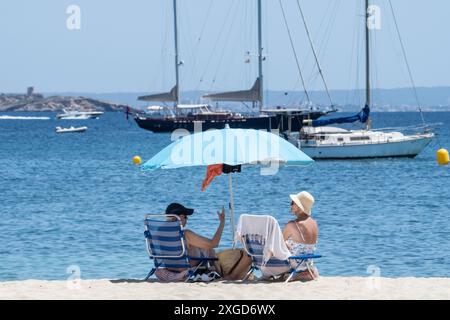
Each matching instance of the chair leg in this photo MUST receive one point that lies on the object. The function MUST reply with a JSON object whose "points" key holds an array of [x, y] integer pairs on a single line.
{"points": [[290, 276], [196, 268], [310, 271], [294, 271], [150, 274], [190, 275], [248, 273]]}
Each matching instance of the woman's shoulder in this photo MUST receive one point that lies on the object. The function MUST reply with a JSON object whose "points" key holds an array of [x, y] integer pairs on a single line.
{"points": [[290, 224], [313, 225], [313, 221]]}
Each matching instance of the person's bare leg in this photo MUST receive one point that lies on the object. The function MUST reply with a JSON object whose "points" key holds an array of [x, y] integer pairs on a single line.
{"points": [[306, 276]]}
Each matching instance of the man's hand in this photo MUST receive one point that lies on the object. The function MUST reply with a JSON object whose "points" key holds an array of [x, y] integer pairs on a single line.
{"points": [[221, 215]]}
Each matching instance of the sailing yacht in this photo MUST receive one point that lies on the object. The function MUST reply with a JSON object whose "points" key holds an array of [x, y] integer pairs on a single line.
{"points": [[338, 143], [319, 141], [191, 117]]}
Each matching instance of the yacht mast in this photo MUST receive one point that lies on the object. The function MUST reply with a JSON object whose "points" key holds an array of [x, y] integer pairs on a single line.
{"points": [[174, 94], [177, 64], [368, 98], [260, 58], [256, 93]]}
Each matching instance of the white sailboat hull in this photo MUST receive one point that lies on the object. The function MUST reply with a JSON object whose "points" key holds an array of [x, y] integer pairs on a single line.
{"points": [[410, 147]]}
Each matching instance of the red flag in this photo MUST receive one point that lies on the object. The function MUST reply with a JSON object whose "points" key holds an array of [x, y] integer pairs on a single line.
{"points": [[211, 172]]}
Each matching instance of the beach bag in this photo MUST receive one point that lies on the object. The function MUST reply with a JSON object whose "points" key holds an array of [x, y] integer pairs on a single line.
{"points": [[228, 261]]}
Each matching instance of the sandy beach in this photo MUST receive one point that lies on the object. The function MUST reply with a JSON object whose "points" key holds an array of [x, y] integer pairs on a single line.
{"points": [[325, 288]]}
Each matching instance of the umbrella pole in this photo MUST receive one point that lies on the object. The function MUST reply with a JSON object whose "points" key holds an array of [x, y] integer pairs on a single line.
{"points": [[231, 204]]}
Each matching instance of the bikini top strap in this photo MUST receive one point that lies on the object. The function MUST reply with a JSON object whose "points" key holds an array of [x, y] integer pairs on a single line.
{"points": [[299, 230]]}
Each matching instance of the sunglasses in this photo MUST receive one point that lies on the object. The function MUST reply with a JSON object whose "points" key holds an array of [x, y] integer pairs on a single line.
{"points": [[292, 203]]}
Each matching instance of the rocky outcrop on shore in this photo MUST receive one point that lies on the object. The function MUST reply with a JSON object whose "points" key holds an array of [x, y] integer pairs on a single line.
{"points": [[37, 102]]}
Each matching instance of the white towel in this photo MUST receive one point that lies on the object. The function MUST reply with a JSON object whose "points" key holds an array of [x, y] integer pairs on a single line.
{"points": [[268, 228]]}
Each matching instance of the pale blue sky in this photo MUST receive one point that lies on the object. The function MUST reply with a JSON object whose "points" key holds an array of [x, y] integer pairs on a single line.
{"points": [[127, 46]]}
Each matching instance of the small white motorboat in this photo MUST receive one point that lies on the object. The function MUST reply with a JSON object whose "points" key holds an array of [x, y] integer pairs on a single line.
{"points": [[78, 115], [71, 129]]}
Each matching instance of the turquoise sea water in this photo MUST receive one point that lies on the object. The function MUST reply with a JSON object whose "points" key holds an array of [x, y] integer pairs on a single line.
{"points": [[77, 200]]}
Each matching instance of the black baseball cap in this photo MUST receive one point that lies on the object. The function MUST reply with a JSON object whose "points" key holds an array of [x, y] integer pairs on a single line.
{"points": [[178, 209]]}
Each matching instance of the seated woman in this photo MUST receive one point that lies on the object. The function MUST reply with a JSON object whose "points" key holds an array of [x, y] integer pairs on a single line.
{"points": [[199, 246], [301, 234]]}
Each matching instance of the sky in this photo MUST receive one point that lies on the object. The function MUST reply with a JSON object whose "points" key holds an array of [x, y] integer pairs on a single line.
{"points": [[127, 46]]}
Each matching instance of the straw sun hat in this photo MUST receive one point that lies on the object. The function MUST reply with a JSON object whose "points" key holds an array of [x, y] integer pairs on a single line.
{"points": [[304, 200]]}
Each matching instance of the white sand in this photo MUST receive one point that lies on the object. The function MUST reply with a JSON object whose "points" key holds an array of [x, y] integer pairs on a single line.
{"points": [[324, 288]]}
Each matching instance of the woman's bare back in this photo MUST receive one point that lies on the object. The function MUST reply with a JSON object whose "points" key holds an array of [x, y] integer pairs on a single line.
{"points": [[302, 231]]}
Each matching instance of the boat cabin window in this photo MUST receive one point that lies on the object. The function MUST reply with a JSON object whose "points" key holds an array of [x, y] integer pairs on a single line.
{"points": [[340, 139], [361, 138]]}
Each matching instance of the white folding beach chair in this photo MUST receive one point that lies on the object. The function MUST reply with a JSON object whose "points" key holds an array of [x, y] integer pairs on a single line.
{"points": [[262, 239]]}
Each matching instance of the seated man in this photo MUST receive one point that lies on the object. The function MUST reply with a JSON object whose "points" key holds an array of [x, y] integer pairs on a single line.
{"points": [[200, 246]]}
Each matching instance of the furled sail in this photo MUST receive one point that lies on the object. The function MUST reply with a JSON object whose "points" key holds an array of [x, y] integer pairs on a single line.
{"points": [[167, 96], [362, 117], [253, 94]]}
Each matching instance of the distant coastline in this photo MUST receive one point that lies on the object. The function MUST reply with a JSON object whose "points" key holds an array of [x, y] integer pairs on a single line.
{"points": [[434, 99], [36, 102]]}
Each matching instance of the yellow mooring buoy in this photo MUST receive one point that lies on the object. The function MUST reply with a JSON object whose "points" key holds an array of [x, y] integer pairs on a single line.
{"points": [[442, 157], [137, 160]]}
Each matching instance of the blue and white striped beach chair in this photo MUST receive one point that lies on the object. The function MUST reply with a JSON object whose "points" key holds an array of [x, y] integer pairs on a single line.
{"points": [[254, 245], [166, 245]]}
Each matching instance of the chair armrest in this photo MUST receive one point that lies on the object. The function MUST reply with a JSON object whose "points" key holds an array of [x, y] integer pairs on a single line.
{"points": [[305, 256], [203, 258]]}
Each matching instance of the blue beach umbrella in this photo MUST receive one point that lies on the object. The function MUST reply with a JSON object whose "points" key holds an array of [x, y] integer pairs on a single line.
{"points": [[230, 147]]}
